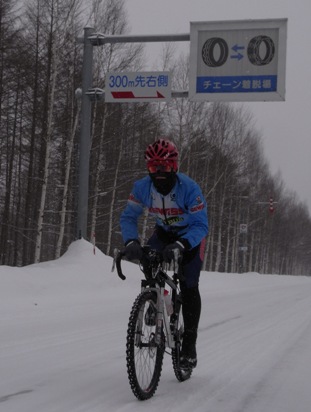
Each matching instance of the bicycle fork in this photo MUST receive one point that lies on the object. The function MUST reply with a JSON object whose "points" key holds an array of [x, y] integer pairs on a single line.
{"points": [[163, 321]]}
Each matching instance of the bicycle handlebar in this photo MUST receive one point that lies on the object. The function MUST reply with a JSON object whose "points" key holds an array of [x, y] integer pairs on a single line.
{"points": [[119, 254]]}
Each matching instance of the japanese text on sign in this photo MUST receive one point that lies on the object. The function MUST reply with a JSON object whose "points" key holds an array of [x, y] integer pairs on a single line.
{"points": [[232, 84], [148, 81], [137, 87]]}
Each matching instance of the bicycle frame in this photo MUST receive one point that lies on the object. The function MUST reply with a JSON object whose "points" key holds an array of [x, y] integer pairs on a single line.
{"points": [[162, 317], [156, 284]]}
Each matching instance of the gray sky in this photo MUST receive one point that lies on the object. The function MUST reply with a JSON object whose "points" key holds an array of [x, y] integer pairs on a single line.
{"points": [[285, 126]]}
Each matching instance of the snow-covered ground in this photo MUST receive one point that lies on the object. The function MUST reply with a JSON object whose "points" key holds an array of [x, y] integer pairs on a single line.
{"points": [[62, 341]]}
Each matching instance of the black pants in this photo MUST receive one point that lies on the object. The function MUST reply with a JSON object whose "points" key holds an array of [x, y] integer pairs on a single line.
{"points": [[191, 267]]}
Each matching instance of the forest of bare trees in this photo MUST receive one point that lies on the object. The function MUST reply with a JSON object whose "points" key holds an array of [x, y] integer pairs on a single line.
{"points": [[40, 70]]}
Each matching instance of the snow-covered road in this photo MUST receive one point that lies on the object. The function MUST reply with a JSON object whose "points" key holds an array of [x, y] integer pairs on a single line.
{"points": [[63, 327]]}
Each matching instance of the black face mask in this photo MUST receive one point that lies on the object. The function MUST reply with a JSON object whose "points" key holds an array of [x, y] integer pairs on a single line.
{"points": [[163, 181]]}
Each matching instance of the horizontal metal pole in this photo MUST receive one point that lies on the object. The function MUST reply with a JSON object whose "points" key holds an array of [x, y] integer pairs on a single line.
{"points": [[99, 39], [180, 93]]}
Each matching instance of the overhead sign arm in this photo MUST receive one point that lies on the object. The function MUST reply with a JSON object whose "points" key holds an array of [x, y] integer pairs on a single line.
{"points": [[99, 39]]}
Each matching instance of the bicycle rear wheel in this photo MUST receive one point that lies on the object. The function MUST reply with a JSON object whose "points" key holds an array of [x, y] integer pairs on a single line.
{"points": [[181, 374], [144, 357]]}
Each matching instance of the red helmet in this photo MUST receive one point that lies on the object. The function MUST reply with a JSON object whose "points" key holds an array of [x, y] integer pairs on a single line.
{"points": [[162, 151]]}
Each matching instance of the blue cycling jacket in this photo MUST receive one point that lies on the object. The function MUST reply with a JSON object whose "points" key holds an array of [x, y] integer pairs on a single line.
{"points": [[182, 211]]}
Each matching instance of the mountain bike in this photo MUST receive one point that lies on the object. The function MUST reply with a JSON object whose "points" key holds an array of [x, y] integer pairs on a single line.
{"points": [[155, 325]]}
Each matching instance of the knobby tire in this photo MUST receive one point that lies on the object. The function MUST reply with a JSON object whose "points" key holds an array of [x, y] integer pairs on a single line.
{"points": [[144, 358]]}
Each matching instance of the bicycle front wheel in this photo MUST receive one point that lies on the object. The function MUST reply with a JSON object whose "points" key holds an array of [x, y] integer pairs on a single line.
{"points": [[144, 357]]}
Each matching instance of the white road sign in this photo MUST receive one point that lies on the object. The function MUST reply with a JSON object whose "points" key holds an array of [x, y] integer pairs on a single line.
{"points": [[123, 87], [241, 60]]}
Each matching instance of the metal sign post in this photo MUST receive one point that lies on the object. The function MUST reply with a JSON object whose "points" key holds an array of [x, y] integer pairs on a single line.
{"points": [[85, 136], [90, 94]]}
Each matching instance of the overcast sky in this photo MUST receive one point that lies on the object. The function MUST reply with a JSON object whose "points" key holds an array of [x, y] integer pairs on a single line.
{"points": [[285, 126]]}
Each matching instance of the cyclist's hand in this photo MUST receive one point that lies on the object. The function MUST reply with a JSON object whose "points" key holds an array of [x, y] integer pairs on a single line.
{"points": [[133, 250], [168, 252]]}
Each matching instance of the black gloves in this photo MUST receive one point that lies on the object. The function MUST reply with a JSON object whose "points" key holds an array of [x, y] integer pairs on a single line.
{"points": [[133, 250], [182, 245]]}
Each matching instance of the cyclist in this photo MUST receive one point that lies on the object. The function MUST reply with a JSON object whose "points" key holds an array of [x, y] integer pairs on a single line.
{"points": [[179, 208]]}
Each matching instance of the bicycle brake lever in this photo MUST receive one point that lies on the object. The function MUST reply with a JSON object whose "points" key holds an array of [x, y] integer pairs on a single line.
{"points": [[118, 254]]}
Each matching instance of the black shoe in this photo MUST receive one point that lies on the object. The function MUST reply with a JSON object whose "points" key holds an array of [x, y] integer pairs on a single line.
{"points": [[150, 316], [188, 358]]}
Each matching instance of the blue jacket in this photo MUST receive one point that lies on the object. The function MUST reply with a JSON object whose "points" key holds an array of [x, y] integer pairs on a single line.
{"points": [[183, 210]]}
